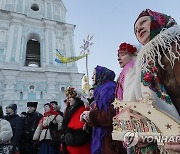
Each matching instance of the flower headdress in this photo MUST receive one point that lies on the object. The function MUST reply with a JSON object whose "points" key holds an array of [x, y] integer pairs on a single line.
{"points": [[71, 92], [126, 47]]}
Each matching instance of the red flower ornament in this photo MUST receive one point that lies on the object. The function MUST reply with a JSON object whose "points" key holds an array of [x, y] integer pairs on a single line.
{"points": [[154, 69], [127, 48], [148, 77]]}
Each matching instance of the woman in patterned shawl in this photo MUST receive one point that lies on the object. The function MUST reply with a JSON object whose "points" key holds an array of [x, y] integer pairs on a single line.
{"points": [[157, 64]]}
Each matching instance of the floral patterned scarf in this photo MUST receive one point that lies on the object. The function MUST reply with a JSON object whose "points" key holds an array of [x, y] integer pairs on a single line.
{"points": [[159, 21], [103, 75]]}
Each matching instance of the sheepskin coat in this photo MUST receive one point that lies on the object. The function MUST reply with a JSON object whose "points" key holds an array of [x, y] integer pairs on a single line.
{"points": [[42, 131]]}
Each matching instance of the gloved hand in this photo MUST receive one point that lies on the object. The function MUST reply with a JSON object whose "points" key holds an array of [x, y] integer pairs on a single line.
{"points": [[62, 138], [82, 117], [85, 116], [36, 143], [15, 150]]}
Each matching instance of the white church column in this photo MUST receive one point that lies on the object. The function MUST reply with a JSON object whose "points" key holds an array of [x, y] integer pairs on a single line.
{"points": [[19, 42], [51, 81], [10, 42], [50, 44], [14, 42], [69, 44], [1, 4], [10, 82]]}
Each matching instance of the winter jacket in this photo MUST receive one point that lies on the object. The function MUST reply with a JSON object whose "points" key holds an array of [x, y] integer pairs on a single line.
{"points": [[76, 139], [42, 131], [30, 124], [17, 128], [104, 119]]}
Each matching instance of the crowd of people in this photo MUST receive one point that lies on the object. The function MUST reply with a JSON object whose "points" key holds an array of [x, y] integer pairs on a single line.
{"points": [[86, 127]]}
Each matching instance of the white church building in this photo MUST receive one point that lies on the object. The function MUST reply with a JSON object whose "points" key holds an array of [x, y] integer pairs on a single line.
{"points": [[30, 33]]}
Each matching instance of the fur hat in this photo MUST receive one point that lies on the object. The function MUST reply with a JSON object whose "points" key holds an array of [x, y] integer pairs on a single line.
{"points": [[32, 104], [13, 107], [54, 102]]}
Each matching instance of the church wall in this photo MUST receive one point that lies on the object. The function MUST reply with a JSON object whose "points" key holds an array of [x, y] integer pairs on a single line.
{"points": [[18, 24], [3, 39], [53, 10], [48, 83]]}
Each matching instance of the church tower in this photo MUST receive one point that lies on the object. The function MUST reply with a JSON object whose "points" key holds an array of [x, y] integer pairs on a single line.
{"points": [[30, 33]]}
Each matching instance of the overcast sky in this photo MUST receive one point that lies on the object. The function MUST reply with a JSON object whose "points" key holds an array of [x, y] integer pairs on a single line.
{"points": [[111, 22]]}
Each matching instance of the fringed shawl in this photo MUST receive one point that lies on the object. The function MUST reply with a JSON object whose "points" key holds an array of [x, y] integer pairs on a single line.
{"points": [[152, 52], [164, 41]]}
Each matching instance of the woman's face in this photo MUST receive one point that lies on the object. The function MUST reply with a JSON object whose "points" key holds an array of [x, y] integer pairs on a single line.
{"points": [[124, 58], [142, 29], [94, 77], [46, 108], [71, 101]]}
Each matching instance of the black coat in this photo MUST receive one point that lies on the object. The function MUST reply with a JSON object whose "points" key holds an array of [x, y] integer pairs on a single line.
{"points": [[30, 124], [17, 128], [72, 136]]}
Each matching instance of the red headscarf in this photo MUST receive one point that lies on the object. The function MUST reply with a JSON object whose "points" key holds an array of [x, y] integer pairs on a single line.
{"points": [[51, 112]]}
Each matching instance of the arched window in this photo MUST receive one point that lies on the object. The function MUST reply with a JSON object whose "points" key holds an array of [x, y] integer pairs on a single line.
{"points": [[31, 87], [33, 51]]}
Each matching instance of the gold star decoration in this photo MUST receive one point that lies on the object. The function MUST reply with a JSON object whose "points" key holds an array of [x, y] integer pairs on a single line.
{"points": [[168, 126]]}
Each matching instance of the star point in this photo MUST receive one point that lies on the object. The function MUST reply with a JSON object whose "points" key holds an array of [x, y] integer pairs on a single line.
{"points": [[168, 126], [149, 112]]}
